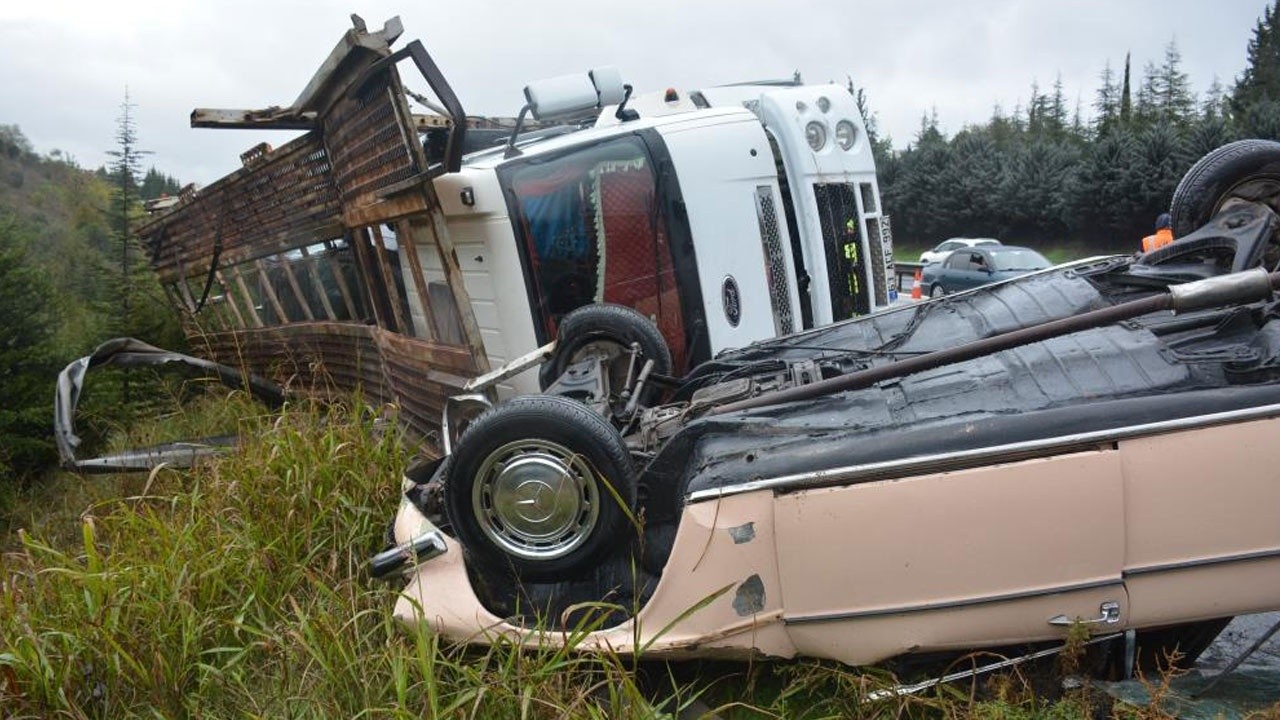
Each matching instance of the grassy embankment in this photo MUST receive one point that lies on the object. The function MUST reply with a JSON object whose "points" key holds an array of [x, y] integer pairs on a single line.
{"points": [[238, 590]]}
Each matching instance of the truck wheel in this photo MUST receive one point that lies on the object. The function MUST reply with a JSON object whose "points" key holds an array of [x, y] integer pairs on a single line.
{"points": [[1245, 169], [542, 485], [609, 329]]}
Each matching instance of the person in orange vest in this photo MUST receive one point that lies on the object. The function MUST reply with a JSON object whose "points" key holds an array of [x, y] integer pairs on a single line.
{"points": [[1162, 236]]}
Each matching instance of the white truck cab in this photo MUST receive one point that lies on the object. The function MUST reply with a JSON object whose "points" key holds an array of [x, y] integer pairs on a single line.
{"points": [[727, 215]]}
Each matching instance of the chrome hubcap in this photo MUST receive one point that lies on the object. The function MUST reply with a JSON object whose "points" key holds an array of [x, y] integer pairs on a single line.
{"points": [[536, 499]]}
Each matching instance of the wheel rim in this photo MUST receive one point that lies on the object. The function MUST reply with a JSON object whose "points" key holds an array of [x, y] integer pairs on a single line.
{"points": [[536, 499], [937, 291]]}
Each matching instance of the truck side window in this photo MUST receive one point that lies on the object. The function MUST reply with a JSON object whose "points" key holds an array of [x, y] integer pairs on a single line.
{"points": [[593, 230]]}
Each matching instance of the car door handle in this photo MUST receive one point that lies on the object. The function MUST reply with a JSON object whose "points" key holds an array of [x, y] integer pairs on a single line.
{"points": [[1109, 615]]}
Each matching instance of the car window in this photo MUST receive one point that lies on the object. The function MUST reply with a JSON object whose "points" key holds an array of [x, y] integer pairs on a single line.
{"points": [[944, 247], [958, 261], [1019, 260], [977, 261]]}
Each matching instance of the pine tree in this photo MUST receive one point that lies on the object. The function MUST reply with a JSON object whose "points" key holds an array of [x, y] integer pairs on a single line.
{"points": [[1215, 104], [1174, 100], [1261, 78], [27, 362], [1147, 109], [1106, 102], [1126, 101], [124, 202]]}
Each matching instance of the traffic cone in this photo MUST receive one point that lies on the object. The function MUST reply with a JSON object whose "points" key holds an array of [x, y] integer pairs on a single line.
{"points": [[917, 293]]}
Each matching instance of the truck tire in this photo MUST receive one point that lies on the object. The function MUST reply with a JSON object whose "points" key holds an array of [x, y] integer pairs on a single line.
{"points": [[541, 485], [1245, 169], [612, 328]]}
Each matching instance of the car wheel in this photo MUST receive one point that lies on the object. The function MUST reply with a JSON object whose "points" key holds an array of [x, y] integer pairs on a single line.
{"points": [[1245, 169], [609, 329], [937, 291], [542, 485]]}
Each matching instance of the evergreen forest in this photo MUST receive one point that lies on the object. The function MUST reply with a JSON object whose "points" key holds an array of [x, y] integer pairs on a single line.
{"points": [[1054, 173]]}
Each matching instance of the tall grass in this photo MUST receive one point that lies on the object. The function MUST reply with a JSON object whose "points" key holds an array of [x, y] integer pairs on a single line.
{"points": [[238, 590]]}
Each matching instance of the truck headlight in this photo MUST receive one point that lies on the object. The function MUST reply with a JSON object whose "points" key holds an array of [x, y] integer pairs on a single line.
{"points": [[816, 133], [846, 134]]}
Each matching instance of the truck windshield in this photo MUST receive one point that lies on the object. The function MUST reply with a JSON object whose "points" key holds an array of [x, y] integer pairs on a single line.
{"points": [[592, 230]]}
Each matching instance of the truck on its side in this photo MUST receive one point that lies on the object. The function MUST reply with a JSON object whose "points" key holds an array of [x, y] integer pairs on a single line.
{"points": [[727, 216]]}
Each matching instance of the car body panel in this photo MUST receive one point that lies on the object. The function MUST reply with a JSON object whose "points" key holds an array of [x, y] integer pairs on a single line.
{"points": [[938, 546], [724, 559], [1201, 522]]}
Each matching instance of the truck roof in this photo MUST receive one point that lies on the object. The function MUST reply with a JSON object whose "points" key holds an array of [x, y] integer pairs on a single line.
{"points": [[550, 142]]}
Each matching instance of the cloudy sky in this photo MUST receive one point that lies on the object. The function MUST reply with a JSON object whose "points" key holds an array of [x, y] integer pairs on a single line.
{"points": [[65, 64]]}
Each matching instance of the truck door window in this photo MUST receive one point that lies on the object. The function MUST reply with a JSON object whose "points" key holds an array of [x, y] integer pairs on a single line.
{"points": [[592, 230]]}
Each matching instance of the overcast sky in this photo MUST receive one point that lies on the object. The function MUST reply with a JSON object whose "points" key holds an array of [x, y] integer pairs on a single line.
{"points": [[65, 64]]}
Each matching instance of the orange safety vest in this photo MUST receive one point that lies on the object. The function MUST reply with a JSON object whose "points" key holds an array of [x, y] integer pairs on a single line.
{"points": [[1162, 237]]}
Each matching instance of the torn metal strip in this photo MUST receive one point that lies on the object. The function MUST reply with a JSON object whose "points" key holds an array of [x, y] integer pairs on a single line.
{"points": [[129, 352]]}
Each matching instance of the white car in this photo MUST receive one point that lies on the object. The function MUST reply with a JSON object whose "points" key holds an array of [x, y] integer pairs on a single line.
{"points": [[940, 253]]}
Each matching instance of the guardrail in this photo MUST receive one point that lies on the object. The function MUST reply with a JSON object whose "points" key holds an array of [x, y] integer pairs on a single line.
{"points": [[905, 270]]}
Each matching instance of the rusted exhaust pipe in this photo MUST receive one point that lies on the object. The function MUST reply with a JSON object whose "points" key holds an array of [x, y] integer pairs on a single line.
{"points": [[1236, 288]]}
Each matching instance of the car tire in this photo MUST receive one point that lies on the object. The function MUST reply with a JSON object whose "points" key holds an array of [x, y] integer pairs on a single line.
{"points": [[613, 327], [1245, 169], [937, 291], [541, 485]]}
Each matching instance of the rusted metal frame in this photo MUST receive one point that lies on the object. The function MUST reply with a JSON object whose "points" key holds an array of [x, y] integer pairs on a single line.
{"points": [[404, 121], [174, 296], [287, 264], [326, 84], [383, 255], [431, 73], [234, 271], [409, 253], [285, 200], [184, 294], [404, 203], [312, 272], [264, 282], [453, 276], [229, 297], [335, 266], [360, 242]]}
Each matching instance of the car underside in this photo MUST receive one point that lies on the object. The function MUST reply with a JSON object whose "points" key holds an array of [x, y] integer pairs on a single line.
{"points": [[1091, 443]]}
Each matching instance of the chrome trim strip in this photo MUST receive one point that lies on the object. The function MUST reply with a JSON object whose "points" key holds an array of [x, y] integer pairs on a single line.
{"points": [[953, 604], [972, 458], [1202, 562]]}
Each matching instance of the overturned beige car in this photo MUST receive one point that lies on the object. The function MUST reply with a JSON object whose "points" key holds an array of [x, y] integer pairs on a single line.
{"points": [[1095, 444]]}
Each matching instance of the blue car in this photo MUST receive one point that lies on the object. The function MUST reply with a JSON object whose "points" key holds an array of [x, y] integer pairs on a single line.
{"points": [[969, 268]]}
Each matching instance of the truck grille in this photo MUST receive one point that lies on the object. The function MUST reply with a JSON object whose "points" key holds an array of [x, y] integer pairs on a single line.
{"points": [[775, 262], [838, 215]]}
